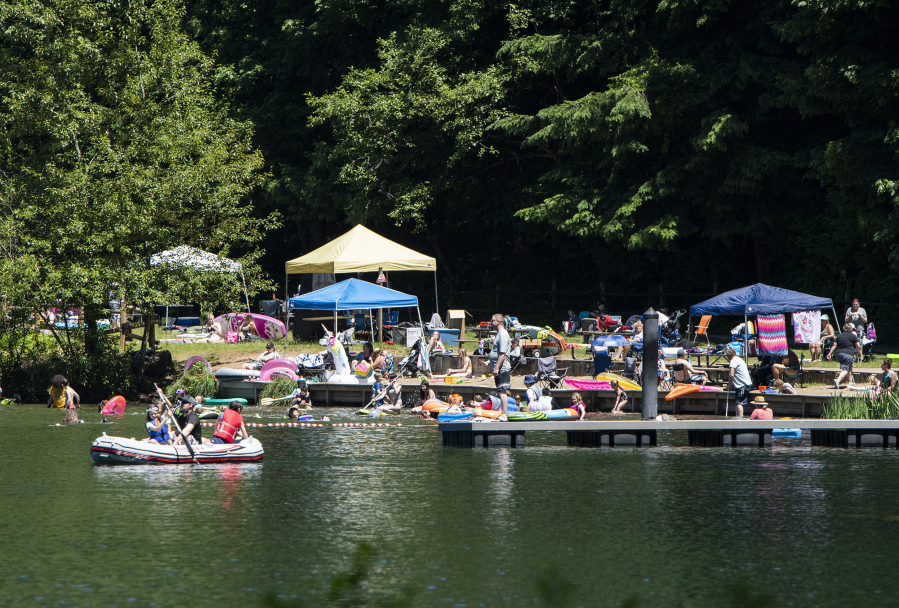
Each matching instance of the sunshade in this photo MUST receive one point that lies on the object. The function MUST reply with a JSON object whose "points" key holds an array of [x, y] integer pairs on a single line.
{"points": [[353, 294], [759, 299], [360, 250]]}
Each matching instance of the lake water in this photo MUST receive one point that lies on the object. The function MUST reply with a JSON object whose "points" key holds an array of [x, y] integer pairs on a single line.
{"points": [[535, 526]]}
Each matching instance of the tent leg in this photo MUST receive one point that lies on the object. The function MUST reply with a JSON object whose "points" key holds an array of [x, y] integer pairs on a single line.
{"points": [[245, 294], [286, 312], [335, 323], [436, 301], [381, 325], [422, 325], [746, 339]]}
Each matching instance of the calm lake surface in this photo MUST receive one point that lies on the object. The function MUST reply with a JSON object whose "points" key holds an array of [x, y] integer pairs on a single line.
{"points": [[534, 526]]}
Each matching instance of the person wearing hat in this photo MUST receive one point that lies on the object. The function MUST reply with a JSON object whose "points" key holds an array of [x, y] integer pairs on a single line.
{"points": [[189, 423], [270, 354], [761, 411], [816, 350], [533, 394], [689, 373], [181, 397], [157, 429]]}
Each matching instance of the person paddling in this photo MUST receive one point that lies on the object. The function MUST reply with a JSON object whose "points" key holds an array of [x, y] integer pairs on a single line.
{"points": [[229, 424]]}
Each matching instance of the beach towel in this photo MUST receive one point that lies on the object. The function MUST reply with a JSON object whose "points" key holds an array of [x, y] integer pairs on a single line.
{"points": [[772, 335], [589, 385], [806, 326]]}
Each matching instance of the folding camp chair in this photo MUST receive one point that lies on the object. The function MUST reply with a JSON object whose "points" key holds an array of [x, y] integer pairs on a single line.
{"points": [[703, 329], [630, 368], [548, 376], [793, 371], [601, 362]]}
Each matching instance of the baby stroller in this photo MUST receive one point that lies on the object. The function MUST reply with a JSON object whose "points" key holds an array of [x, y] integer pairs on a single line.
{"points": [[868, 339], [670, 330], [414, 362]]}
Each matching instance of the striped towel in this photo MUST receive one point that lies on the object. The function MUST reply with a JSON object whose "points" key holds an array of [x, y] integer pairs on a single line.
{"points": [[772, 335]]}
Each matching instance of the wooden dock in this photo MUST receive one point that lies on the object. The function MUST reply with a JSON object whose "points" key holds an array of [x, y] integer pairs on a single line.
{"points": [[700, 433]]}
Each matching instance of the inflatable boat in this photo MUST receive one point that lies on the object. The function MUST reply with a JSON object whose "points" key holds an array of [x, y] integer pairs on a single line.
{"points": [[122, 450]]}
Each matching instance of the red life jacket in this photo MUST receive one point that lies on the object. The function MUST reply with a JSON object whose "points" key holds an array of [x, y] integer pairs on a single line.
{"points": [[228, 425]]}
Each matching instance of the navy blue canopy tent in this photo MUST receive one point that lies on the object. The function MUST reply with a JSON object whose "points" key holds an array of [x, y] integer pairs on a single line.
{"points": [[759, 299], [353, 294]]}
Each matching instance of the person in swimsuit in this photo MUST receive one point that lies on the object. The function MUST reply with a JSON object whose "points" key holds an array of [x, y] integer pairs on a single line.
{"points": [[577, 404], [816, 350], [620, 397], [464, 369], [247, 329], [157, 429]]}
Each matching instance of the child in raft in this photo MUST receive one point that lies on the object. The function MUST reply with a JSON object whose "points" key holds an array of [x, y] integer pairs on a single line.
{"points": [[620, 397], [157, 429], [577, 404]]}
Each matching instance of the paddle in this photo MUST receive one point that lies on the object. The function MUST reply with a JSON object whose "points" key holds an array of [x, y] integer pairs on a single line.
{"points": [[266, 401], [168, 409], [380, 395]]}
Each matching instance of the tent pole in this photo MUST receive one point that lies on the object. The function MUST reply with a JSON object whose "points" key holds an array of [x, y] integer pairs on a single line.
{"points": [[245, 294], [335, 322], [286, 311], [436, 301], [836, 325], [746, 338], [419, 321]]}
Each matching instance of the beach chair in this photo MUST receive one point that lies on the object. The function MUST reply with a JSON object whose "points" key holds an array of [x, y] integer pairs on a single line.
{"points": [[359, 326], [630, 368], [703, 329], [793, 371], [602, 361], [548, 375]]}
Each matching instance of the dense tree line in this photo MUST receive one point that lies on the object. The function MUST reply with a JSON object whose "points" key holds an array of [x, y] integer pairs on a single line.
{"points": [[632, 142]]}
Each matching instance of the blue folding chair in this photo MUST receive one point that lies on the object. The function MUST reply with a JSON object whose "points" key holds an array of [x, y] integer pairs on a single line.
{"points": [[602, 361]]}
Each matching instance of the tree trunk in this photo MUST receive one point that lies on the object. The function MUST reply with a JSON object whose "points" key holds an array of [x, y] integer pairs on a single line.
{"points": [[761, 258], [91, 333]]}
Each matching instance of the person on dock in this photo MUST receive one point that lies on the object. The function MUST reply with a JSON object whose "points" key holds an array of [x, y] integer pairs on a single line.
{"points": [[694, 376], [738, 379], [889, 380], [844, 350], [189, 423], [577, 404], [761, 411], [157, 429], [620, 397], [499, 362], [368, 350], [229, 424], [270, 354], [532, 393]]}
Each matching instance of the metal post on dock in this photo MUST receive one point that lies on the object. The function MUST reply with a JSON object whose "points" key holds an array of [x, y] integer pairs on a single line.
{"points": [[649, 405]]}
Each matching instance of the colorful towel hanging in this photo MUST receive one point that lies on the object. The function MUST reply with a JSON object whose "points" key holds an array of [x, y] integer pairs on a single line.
{"points": [[772, 335], [806, 326]]}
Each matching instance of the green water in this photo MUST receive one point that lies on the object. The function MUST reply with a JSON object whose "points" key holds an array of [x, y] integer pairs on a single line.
{"points": [[667, 526]]}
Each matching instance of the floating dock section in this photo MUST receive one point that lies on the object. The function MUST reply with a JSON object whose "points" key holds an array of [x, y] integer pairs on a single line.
{"points": [[700, 433]]}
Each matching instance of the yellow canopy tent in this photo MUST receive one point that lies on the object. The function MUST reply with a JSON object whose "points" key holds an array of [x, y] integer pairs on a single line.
{"points": [[361, 250]]}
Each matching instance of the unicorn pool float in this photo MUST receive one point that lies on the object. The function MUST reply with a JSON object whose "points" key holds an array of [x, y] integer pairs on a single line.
{"points": [[343, 373]]}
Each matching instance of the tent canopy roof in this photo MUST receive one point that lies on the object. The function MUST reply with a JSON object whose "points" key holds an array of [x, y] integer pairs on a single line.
{"points": [[191, 257], [353, 294], [759, 299], [360, 250]]}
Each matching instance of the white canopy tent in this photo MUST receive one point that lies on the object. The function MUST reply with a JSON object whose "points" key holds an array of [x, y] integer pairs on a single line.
{"points": [[197, 259]]}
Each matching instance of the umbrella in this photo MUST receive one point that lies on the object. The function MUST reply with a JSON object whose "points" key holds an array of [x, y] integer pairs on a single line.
{"points": [[610, 341]]}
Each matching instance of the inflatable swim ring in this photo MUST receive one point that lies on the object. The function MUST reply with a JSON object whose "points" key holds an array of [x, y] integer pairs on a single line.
{"points": [[116, 405], [364, 369]]}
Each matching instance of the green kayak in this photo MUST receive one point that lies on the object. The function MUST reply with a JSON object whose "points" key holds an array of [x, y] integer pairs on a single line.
{"points": [[215, 402], [526, 416]]}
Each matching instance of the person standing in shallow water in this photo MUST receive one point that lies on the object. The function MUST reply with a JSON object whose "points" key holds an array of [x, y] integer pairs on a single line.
{"points": [[62, 396]]}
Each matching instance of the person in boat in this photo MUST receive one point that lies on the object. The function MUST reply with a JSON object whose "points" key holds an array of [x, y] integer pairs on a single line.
{"points": [[301, 397], [189, 423], [620, 397], [681, 364], [577, 404], [182, 397], [270, 354], [247, 329], [464, 363], [157, 428], [761, 411], [229, 424]]}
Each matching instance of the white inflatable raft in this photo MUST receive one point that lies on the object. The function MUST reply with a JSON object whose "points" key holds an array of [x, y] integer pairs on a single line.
{"points": [[122, 450]]}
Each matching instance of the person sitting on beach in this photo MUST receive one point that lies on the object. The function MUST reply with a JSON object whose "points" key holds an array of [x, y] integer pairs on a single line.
{"points": [[620, 397], [435, 345], [784, 388], [247, 329], [681, 364], [270, 354], [761, 411], [365, 355], [888, 382], [577, 404], [765, 369], [212, 328], [573, 324], [157, 429], [229, 424], [816, 349], [464, 363]]}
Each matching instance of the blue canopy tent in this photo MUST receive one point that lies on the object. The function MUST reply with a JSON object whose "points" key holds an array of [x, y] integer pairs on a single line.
{"points": [[759, 299], [353, 294]]}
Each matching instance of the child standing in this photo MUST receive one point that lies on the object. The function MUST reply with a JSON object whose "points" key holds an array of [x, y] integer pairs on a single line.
{"points": [[620, 397], [577, 404]]}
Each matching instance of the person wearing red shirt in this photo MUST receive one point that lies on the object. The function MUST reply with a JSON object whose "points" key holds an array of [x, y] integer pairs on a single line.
{"points": [[761, 411]]}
